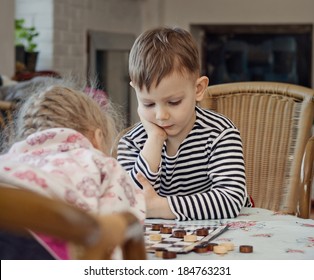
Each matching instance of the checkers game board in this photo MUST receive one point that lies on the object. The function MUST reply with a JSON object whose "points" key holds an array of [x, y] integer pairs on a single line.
{"points": [[179, 238]]}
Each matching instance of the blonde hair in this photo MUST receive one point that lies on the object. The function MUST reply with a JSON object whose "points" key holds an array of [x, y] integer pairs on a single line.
{"points": [[60, 106], [159, 52]]}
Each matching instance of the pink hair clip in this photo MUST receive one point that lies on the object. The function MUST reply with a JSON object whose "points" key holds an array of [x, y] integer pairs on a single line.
{"points": [[100, 96]]}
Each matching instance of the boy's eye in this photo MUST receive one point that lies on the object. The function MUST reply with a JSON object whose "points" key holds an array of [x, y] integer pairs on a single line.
{"points": [[148, 105], [174, 103]]}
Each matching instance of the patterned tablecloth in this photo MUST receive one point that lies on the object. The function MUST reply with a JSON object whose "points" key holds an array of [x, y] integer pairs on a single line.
{"points": [[274, 236]]}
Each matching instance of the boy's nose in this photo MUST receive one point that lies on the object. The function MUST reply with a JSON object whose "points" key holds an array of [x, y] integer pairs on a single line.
{"points": [[162, 114]]}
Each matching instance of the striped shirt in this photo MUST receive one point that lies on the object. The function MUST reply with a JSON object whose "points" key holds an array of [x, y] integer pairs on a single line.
{"points": [[206, 177]]}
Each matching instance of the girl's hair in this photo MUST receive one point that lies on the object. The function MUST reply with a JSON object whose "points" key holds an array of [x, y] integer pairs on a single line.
{"points": [[159, 52], [61, 106]]}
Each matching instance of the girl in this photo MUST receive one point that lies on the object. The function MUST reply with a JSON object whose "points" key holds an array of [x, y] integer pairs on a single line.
{"points": [[63, 139]]}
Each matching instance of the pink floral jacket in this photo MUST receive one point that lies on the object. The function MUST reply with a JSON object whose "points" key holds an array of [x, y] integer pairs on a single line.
{"points": [[62, 163]]}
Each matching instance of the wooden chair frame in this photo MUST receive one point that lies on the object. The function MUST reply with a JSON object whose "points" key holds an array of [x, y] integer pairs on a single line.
{"points": [[92, 237]]}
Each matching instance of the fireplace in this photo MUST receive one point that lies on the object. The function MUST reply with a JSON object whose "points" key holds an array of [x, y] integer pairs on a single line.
{"points": [[281, 53]]}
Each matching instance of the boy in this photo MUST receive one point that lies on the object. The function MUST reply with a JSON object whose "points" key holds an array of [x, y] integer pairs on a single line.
{"points": [[188, 160]]}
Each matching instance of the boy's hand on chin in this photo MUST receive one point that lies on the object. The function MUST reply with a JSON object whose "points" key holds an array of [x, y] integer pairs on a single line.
{"points": [[153, 130]]}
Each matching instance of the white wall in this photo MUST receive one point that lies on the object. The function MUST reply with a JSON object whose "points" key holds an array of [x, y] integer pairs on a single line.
{"points": [[7, 51], [121, 16]]}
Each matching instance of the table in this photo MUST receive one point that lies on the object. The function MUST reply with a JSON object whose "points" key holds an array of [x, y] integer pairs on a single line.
{"points": [[274, 236]]}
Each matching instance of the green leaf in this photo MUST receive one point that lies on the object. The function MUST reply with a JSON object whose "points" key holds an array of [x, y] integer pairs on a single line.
{"points": [[25, 35]]}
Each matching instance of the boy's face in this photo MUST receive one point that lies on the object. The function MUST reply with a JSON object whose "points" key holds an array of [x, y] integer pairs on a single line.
{"points": [[171, 105]]}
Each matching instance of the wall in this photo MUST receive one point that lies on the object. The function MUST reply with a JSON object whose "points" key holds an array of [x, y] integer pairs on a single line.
{"points": [[7, 54], [240, 11]]}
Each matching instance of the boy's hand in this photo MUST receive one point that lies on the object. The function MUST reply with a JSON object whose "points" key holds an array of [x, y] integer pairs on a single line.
{"points": [[153, 131], [156, 206], [152, 149]]}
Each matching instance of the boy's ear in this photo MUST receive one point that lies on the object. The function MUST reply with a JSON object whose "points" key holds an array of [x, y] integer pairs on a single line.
{"points": [[131, 84], [201, 85]]}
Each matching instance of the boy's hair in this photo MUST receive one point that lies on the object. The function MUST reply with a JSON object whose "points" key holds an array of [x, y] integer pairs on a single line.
{"points": [[60, 106], [159, 52]]}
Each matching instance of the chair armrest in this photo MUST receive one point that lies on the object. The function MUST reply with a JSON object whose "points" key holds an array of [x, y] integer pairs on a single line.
{"points": [[20, 209], [121, 230], [90, 236], [306, 180]]}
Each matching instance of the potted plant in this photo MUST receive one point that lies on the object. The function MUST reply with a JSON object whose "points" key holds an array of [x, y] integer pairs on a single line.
{"points": [[24, 41]]}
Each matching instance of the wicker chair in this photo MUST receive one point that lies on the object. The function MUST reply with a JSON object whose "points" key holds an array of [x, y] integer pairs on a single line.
{"points": [[275, 121], [91, 237], [6, 118]]}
